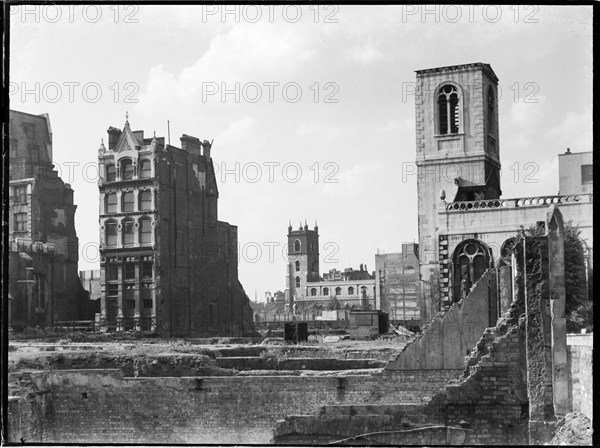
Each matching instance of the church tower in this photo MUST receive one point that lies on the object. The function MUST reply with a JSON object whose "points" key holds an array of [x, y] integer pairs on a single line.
{"points": [[457, 152], [303, 260]]}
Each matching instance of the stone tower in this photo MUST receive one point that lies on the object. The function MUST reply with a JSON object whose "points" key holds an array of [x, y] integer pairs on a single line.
{"points": [[303, 259], [457, 153]]}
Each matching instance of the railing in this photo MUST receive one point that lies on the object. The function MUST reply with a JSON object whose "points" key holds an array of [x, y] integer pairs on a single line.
{"points": [[519, 202]]}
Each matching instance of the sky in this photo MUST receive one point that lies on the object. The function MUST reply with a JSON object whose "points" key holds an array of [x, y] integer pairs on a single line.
{"points": [[310, 108]]}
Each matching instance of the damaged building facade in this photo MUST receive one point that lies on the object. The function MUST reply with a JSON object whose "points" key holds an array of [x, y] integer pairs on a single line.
{"points": [[167, 263], [307, 289], [44, 286], [465, 227]]}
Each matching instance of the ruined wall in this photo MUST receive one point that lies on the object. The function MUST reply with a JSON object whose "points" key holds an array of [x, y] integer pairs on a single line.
{"points": [[101, 406], [449, 337], [580, 355]]}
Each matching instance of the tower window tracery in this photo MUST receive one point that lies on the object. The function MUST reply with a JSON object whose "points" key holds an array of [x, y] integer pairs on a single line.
{"points": [[449, 105]]}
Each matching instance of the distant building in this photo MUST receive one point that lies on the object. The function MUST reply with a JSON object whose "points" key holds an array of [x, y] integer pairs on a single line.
{"points": [[167, 263], [397, 283], [43, 247], [90, 280], [306, 289]]}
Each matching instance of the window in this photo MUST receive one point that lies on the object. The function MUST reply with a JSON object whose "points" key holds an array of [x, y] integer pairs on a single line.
{"points": [[130, 304], [147, 303], [145, 169], [111, 203], [297, 265], [145, 231], [128, 235], [490, 113], [350, 291], [20, 194], [112, 271], [28, 129], [363, 291], [312, 247], [145, 200], [587, 174], [325, 291], [127, 201], [338, 291], [113, 290], [34, 153], [297, 282], [448, 110], [147, 270], [111, 234], [20, 222], [111, 173], [126, 169], [313, 291], [297, 246], [129, 271]]}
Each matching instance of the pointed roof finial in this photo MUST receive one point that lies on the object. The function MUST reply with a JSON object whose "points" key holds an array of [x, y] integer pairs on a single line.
{"points": [[126, 118], [155, 133], [102, 148]]}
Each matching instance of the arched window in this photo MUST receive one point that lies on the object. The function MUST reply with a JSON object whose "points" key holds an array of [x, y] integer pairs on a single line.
{"points": [[111, 173], [449, 110], [297, 282], [128, 233], [126, 169], [470, 260], [145, 169], [297, 265], [313, 291], [297, 246], [111, 233], [490, 111], [145, 198], [325, 291], [338, 291], [350, 290], [127, 201], [363, 291], [145, 231], [110, 204]]}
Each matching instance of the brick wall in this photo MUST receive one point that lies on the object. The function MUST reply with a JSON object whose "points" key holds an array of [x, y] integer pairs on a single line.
{"points": [[580, 353], [103, 407]]}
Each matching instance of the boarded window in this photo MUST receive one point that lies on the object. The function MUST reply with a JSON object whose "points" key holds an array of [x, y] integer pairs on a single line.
{"points": [[111, 234], [128, 234], [127, 201], [145, 200], [145, 231], [111, 173], [111, 203], [587, 174], [126, 169]]}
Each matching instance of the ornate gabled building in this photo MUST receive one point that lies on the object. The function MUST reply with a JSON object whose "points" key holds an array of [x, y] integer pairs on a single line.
{"points": [[167, 263], [44, 287], [465, 227]]}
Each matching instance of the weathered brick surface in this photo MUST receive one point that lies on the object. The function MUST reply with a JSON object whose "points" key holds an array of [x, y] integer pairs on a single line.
{"points": [[582, 384], [103, 407]]}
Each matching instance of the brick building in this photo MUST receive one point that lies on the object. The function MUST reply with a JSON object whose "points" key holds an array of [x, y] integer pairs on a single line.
{"points": [[167, 263], [43, 247], [351, 289], [397, 283], [465, 227]]}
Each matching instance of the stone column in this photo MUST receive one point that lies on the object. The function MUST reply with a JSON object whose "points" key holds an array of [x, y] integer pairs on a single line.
{"points": [[556, 257]]}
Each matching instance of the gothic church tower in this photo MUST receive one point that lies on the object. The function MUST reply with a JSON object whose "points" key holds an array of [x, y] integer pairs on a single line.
{"points": [[303, 260]]}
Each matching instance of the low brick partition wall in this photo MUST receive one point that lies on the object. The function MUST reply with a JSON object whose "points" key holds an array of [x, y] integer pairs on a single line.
{"points": [[258, 363], [104, 407], [580, 349]]}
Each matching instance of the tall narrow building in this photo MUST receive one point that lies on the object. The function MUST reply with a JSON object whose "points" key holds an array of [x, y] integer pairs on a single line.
{"points": [[167, 263], [44, 286]]}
